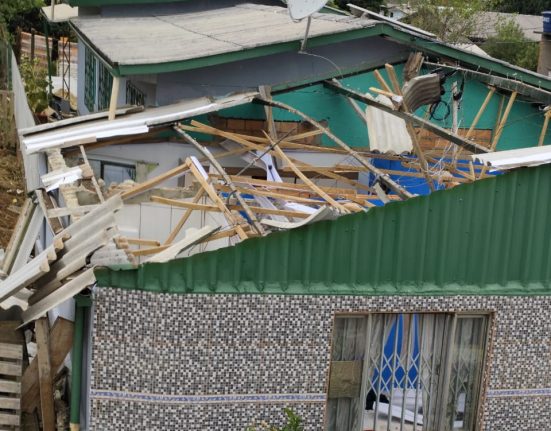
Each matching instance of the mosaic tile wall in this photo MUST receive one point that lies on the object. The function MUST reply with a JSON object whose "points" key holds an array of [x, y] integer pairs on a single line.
{"points": [[197, 362]]}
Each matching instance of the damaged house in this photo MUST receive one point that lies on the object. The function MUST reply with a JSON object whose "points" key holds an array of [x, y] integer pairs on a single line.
{"points": [[340, 215]]}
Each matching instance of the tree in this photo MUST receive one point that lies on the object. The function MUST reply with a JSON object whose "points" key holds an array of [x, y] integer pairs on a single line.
{"points": [[18, 13], [529, 7], [510, 44], [450, 20]]}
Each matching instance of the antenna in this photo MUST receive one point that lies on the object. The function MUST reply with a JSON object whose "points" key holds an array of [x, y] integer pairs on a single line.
{"points": [[300, 9]]}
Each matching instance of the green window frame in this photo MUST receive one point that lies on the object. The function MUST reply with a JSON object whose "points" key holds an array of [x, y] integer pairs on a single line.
{"points": [[105, 85], [134, 96], [89, 79]]}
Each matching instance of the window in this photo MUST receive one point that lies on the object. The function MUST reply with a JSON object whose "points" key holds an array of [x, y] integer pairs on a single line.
{"points": [[89, 79], [105, 84], [406, 372], [113, 172]]}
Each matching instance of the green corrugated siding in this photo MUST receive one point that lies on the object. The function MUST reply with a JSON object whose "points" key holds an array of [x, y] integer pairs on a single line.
{"points": [[489, 237]]}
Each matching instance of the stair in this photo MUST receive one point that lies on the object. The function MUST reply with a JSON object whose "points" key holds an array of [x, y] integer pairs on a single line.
{"points": [[11, 368]]}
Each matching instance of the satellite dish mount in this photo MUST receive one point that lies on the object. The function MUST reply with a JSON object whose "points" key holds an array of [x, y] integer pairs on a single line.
{"points": [[300, 9]]}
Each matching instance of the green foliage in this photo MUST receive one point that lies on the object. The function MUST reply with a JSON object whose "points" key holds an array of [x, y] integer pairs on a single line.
{"points": [[294, 423], [18, 13], [529, 7], [451, 20], [510, 44], [34, 77]]}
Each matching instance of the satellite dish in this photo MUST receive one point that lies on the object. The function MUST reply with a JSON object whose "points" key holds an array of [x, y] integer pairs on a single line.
{"points": [[300, 9]]}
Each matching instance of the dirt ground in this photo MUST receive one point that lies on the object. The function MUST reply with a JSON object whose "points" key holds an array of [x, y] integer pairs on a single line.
{"points": [[12, 193]]}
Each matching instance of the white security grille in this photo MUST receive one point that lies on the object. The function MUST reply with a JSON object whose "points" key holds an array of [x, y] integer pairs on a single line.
{"points": [[401, 372]]}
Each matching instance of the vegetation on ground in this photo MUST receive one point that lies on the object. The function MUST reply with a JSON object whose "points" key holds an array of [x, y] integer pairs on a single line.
{"points": [[36, 83], [294, 423]]}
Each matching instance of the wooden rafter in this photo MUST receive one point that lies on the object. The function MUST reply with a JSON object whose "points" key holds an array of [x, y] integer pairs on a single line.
{"points": [[384, 178], [214, 163]]}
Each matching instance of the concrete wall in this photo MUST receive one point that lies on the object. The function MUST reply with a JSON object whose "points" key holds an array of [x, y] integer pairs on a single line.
{"points": [[197, 362]]}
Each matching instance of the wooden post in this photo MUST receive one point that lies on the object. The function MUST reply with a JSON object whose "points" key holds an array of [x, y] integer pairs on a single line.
{"points": [[480, 111], [146, 185], [184, 218], [381, 81], [265, 92], [94, 181], [45, 375], [503, 121], [544, 129], [114, 98]]}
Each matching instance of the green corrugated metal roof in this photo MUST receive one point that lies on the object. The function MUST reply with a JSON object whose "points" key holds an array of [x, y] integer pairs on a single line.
{"points": [[488, 237]]}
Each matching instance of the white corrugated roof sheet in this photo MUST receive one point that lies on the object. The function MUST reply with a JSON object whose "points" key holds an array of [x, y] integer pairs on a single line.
{"points": [[524, 157], [153, 39], [68, 133]]}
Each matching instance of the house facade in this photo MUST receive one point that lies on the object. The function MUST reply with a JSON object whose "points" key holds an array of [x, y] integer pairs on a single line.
{"points": [[268, 225], [440, 298]]}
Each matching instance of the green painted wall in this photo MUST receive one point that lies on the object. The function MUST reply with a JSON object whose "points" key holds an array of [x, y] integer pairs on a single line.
{"points": [[522, 130], [488, 237]]}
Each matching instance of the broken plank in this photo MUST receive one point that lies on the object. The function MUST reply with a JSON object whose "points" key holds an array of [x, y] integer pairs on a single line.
{"points": [[203, 207], [139, 241], [293, 186], [214, 163], [220, 235], [183, 219], [273, 194], [45, 377], [281, 154], [142, 187], [211, 192], [149, 251], [60, 339]]}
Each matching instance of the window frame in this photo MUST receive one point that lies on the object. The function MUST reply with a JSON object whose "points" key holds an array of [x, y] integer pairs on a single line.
{"points": [[90, 75], [443, 386]]}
